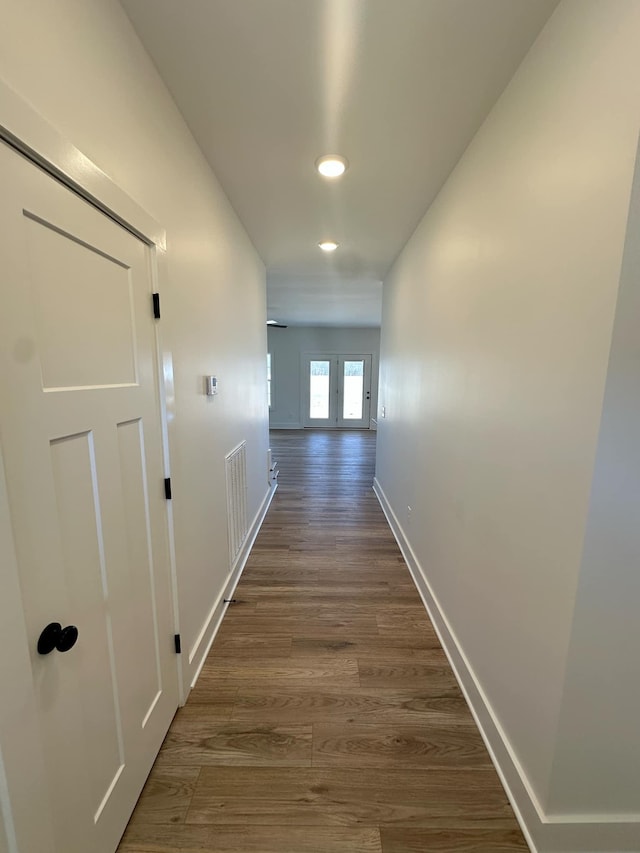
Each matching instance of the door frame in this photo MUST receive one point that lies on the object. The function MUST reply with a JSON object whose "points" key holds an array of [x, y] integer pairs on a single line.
{"points": [[335, 419], [29, 133]]}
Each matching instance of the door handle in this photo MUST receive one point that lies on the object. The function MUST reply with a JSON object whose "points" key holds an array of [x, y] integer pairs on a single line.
{"points": [[54, 636], [368, 395]]}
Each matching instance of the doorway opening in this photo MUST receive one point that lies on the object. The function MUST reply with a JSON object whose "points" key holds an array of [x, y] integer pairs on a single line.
{"points": [[337, 390]]}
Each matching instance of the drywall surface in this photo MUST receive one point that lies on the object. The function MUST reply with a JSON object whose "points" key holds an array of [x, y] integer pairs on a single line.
{"points": [[496, 332], [287, 346], [597, 764], [81, 66]]}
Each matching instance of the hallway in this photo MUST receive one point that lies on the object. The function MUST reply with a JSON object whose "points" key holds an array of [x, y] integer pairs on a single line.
{"points": [[326, 718]]}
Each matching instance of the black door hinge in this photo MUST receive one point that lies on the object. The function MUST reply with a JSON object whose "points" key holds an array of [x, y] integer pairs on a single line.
{"points": [[178, 644], [167, 488], [156, 305]]}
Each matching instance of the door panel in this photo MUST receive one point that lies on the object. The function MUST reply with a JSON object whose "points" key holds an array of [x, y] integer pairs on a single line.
{"points": [[79, 522], [81, 443], [67, 272], [147, 686]]}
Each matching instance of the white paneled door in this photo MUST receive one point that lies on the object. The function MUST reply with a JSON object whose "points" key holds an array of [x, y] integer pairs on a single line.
{"points": [[80, 435], [337, 390]]}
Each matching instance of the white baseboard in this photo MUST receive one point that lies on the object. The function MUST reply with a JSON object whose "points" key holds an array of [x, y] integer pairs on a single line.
{"points": [[207, 635], [285, 426], [543, 833]]}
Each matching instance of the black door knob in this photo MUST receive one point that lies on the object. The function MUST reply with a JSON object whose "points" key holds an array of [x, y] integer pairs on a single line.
{"points": [[54, 636], [67, 639]]}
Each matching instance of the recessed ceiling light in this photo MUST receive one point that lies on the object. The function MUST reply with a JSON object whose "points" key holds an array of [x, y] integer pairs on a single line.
{"points": [[328, 245], [331, 165]]}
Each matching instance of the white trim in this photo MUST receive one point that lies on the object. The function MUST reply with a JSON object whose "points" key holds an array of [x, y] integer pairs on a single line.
{"points": [[589, 833], [286, 426], [211, 626], [31, 134]]}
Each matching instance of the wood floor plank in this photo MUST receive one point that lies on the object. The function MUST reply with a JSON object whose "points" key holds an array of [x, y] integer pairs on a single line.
{"points": [[313, 587], [250, 839], [344, 608], [453, 840], [365, 705], [310, 595], [286, 567], [244, 672], [314, 626], [248, 646], [194, 742], [326, 718], [433, 676], [218, 704], [391, 624], [166, 796], [347, 797], [381, 746], [370, 649]]}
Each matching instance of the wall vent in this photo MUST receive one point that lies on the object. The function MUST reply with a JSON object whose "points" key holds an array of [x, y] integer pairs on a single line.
{"points": [[236, 471]]}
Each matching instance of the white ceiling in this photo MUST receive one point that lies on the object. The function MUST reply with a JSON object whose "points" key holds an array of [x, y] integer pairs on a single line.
{"points": [[398, 87]]}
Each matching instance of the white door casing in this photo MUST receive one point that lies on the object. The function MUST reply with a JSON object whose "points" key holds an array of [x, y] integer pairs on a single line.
{"points": [[80, 432]]}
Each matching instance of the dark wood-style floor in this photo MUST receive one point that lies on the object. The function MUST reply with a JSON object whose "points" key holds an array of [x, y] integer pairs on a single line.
{"points": [[326, 718]]}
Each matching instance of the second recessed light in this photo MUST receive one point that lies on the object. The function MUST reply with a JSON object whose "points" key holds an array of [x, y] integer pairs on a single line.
{"points": [[328, 245], [331, 165]]}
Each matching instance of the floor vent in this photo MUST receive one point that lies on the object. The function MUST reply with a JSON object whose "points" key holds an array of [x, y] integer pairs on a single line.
{"points": [[236, 470]]}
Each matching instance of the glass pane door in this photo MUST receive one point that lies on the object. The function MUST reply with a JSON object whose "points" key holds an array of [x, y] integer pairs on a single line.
{"points": [[352, 389], [336, 390], [319, 390]]}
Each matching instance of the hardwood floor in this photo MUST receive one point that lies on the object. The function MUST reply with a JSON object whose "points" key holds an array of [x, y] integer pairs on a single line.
{"points": [[326, 718]]}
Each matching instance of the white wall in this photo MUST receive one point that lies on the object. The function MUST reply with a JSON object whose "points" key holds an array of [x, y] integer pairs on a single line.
{"points": [[286, 347], [81, 66], [497, 326], [601, 703]]}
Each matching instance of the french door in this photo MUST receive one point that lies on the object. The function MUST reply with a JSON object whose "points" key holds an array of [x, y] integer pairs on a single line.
{"points": [[336, 390]]}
